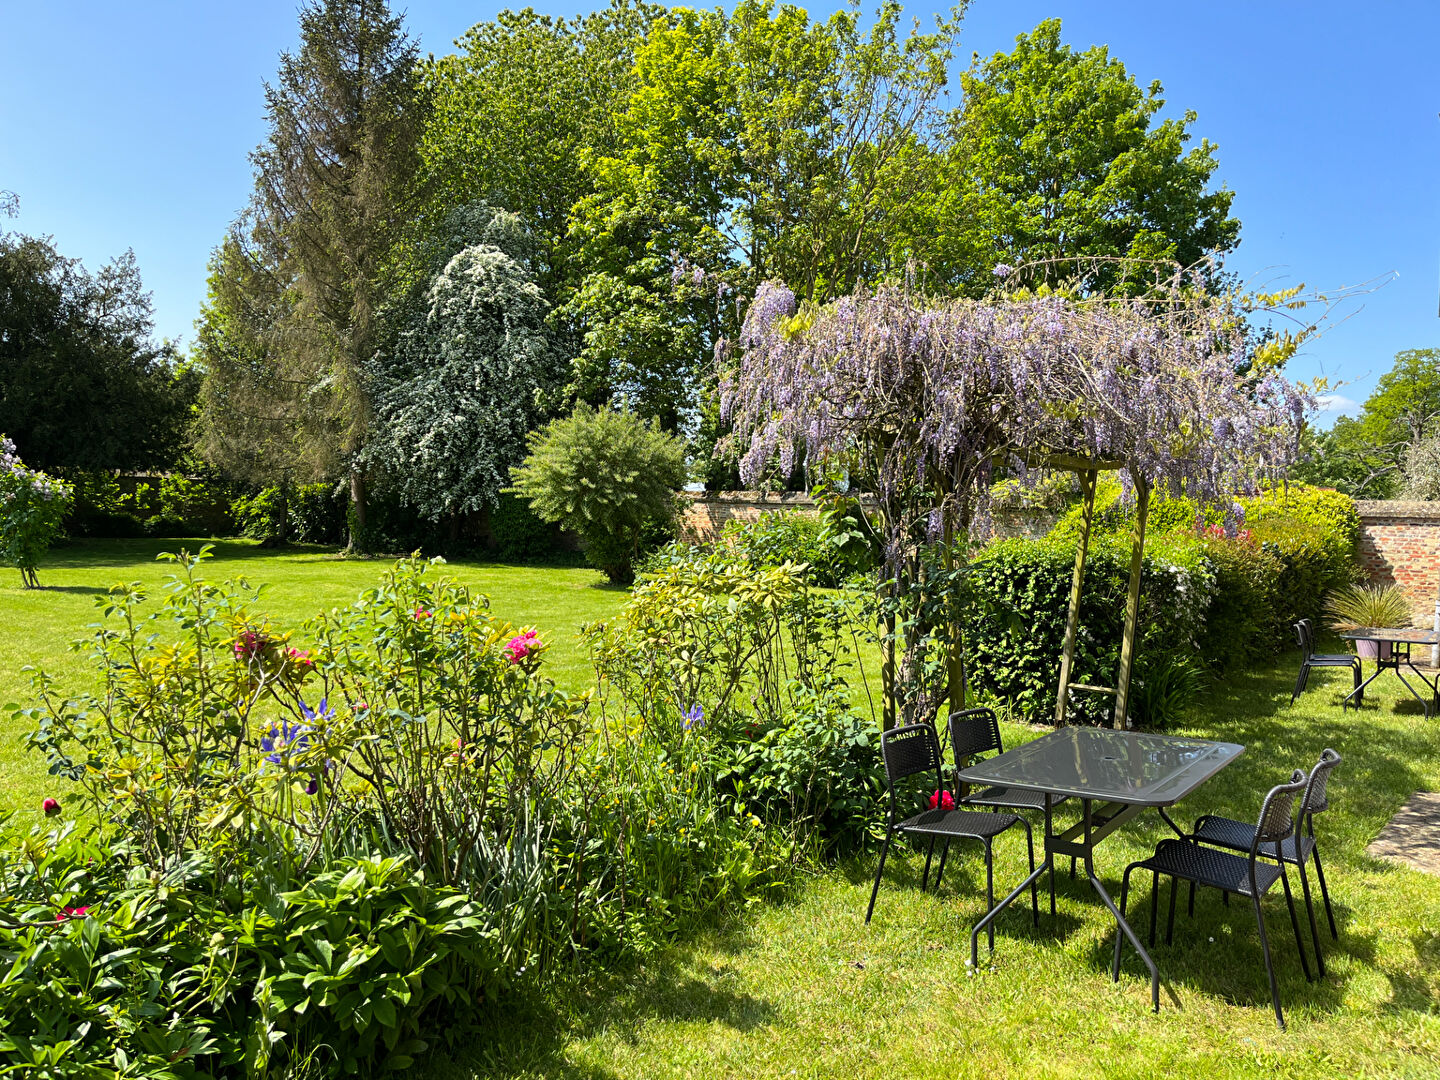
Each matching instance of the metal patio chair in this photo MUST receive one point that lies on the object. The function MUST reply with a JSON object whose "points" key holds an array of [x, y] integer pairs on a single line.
{"points": [[975, 733], [1249, 875], [1301, 847], [914, 750], [1309, 658]]}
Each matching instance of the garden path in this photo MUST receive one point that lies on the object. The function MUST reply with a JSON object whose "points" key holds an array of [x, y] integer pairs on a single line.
{"points": [[1412, 836]]}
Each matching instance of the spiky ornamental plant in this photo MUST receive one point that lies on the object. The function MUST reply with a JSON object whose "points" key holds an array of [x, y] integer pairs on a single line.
{"points": [[924, 399]]}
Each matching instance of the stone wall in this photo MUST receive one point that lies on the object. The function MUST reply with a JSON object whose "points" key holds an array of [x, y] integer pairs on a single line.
{"points": [[1400, 545]]}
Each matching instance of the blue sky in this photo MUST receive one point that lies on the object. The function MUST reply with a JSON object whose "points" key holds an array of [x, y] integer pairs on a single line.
{"points": [[128, 125]]}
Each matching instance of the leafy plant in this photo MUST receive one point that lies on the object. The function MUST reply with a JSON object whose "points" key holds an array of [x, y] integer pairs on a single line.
{"points": [[1359, 607], [32, 512], [605, 475]]}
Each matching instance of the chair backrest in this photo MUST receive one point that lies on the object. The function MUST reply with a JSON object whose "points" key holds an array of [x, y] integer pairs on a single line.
{"points": [[1277, 813], [909, 751], [974, 732], [1306, 634], [1316, 798]]}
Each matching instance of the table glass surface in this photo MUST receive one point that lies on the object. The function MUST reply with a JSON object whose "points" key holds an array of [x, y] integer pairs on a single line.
{"points": [[1393, 633], [1104, 764]]}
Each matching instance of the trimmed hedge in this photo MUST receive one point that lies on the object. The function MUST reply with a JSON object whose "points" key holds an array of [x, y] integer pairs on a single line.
{"points": [[1206, 597]]}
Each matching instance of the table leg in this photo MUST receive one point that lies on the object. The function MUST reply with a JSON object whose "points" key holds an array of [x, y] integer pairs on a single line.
{"points": [[1421, 676], [991, 915], [1360, 690]]}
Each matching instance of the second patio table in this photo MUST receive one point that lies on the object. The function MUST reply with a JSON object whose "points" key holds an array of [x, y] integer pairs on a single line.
{"points": [[1115, 775], [1392, 651]]}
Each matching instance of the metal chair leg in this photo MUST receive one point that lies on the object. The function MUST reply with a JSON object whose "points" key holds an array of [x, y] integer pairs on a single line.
{"points": [[1324, 892], [944, 854], [1295, 922], [884, 850], [1299, 683], [1190, 912], [929, 854], [1170, 918], [990, 888], [1034, 889], [1269, 964], [1154, 905], [1310, 911]]}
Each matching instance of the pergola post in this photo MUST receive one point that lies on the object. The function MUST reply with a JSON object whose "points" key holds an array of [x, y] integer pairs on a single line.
{"points": [[1089, 480], [1132, 602]]}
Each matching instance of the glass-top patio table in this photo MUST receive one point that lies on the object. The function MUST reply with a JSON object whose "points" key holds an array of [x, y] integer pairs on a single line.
{"points": [[1392, 650], [1115, 775]]}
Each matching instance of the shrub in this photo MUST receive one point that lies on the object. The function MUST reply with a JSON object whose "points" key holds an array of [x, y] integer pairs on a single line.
{"points": [[1361, 607], [32, 512], [517, 534], [330, 853], [605, 476], [789, 536], [1244, 621], [1020, 592], [316, 514], [764, 657]]}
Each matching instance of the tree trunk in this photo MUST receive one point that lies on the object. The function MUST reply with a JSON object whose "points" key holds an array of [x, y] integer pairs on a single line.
{"points": [[282, 531], [359, 533]]}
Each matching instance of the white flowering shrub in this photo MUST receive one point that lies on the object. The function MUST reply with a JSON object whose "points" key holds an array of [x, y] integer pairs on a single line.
{"points": [[32, 512]]}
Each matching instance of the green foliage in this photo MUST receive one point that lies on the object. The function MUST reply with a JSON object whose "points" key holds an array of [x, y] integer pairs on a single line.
{"points": [[1363, 456], [791, 536], [1053, 156], [818, 769], [516, 534], [753, 144], [1016, 620], [467, 375], [83, 384], [1243, 621], [1331, 513], [760, 657], [32, 513], [314, 514], [605, 476], [1364, 606]]}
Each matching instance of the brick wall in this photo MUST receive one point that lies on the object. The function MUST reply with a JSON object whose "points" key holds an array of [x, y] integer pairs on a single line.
{"points": [[1400, 545]]}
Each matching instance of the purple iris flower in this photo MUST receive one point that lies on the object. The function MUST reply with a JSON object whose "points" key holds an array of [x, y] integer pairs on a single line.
{"points": [[285, 739], [694, 718]]}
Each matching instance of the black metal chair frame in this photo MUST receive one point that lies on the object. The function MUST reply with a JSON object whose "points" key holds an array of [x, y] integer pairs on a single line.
{"points": [[915, 749], [1251, 874], [1235, 835], [1399, 657], [1309, 658], [975, 733]]}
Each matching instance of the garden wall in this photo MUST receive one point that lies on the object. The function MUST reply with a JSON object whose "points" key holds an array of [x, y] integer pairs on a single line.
{"points": [[1400, 545], [707, 512]]}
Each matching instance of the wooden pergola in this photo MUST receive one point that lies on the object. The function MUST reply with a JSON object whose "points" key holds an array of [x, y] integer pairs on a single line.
{"points": [[1088, 471]]}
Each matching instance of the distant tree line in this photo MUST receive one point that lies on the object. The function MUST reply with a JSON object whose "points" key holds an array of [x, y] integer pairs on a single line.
{"points": [[443, 254]]}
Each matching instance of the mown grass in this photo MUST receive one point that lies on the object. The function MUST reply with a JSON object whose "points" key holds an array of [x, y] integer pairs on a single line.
{"points": [[37, 626], [805, 989]]}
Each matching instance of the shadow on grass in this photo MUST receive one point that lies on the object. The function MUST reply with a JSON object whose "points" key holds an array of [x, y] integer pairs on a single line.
{"points": [[527, 1032], [80, 554]]}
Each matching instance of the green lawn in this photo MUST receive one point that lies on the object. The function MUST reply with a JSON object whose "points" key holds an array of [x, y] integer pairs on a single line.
{"points": [[39, 624], [804, 989]]}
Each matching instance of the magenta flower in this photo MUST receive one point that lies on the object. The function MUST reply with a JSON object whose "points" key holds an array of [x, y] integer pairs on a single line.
{"points": [[50, 806], [943, 799], [522, 645]]}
